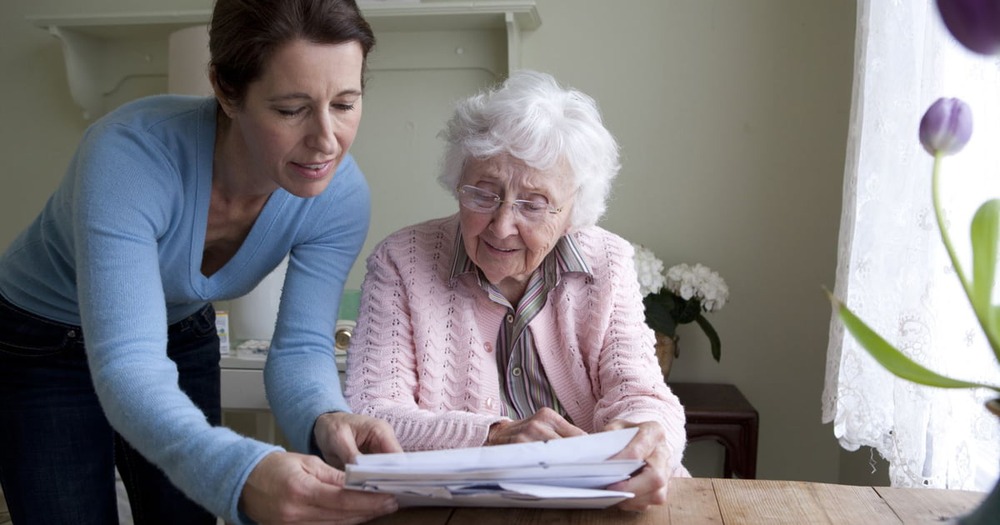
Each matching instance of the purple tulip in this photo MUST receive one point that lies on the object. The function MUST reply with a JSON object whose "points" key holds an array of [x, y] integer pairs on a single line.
{"points": [[974, 23], [946, 127]]}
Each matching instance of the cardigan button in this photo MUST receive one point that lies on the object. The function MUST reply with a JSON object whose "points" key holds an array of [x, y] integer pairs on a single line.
{"points": [[489, 402], [488, 347]]}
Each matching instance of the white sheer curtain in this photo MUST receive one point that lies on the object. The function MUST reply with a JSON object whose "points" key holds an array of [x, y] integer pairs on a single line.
{"points": [[893, 270]]}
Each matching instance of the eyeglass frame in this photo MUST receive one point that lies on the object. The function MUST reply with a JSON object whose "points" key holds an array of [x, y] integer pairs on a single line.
{"points": [[469, 189]]}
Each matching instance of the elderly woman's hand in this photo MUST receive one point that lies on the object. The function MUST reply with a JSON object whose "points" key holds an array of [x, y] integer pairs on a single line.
{"points": [[542, 425], [650, 484], [341, 436]]}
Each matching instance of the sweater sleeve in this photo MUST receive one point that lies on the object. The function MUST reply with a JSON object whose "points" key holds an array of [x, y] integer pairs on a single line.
{"points": [[427, 398], [300, 375], [630, 385], [127, 195]]}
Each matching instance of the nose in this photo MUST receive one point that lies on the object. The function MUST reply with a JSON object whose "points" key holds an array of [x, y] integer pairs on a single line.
{"points": [[504, 221], [322, 136]]}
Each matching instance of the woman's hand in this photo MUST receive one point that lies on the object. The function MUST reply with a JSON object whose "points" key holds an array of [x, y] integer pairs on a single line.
{"points": [[293, 488], [650, 484], [542, 425], [341, 436]]}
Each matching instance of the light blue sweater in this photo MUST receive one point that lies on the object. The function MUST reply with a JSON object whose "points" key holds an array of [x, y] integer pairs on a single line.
{"points": [[118, 249]]}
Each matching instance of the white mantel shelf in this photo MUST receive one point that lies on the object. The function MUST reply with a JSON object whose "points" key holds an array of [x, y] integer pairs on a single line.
{"points": [[101, 50]]}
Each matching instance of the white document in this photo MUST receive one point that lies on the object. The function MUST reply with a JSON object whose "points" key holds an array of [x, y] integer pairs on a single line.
{"points": [[559, 473]]}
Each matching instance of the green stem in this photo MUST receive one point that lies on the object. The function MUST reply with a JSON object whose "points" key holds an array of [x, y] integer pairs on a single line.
{"points": [[981, 315], [935, 195]]}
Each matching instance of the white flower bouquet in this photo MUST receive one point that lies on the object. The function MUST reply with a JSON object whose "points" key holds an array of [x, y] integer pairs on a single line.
{"points": [[681, 295]]}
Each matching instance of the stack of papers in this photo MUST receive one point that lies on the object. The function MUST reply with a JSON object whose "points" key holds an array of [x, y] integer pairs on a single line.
{"points": [[560, 473]]}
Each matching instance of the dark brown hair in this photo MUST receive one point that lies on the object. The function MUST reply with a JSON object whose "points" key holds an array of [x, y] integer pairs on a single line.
{"points": [[244, 34]]}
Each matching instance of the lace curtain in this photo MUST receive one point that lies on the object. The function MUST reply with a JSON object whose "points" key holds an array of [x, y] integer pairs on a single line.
{"points": [[893, 270]]}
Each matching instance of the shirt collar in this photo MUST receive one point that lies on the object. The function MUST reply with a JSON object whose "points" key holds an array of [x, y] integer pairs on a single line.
{"points": [[565, 258]]}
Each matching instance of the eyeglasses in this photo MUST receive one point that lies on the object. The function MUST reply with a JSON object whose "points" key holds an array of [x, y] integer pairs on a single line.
{"points": [[482, 201]]}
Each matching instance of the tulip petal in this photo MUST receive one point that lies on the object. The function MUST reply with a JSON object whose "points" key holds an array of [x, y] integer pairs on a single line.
{"points": [[946, 127], [974, 23]]}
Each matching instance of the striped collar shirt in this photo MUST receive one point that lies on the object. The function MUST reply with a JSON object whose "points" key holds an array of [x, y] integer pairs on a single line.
{"points": [[524, 387]]}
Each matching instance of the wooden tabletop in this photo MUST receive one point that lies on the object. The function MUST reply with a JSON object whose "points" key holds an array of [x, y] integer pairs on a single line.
{"points": [[733, 501]]}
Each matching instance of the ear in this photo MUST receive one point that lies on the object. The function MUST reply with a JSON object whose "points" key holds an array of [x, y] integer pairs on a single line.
{"points": [[224, 102]]}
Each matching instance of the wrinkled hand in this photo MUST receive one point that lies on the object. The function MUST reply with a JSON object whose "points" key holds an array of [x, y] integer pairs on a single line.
{"points": [[294, 488], [542, 425], [650, 484], [341, 436]]}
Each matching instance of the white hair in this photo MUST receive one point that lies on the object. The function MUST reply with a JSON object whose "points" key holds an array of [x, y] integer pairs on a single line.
{"points": [[535, 120]]}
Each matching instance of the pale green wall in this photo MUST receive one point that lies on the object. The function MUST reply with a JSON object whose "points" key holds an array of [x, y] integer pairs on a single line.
{"points": [[732, 116]]}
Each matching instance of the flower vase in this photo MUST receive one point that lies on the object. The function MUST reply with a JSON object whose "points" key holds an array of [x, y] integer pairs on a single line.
{"points": [[666, 351], [988, 512]]}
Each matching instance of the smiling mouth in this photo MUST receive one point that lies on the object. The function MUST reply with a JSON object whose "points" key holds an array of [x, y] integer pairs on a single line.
{"points": [[314, 171], [314, 167], [499, 249]]}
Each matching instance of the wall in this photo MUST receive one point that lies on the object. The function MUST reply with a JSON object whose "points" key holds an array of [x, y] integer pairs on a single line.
{"points": [[732, 117]]}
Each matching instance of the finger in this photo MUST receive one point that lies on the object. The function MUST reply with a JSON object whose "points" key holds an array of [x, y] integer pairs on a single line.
{"points": [[641, 503], [556, 423], [569, 430], [649, 485], [347, 451], [341, 442], [350, 501], [646, 440], [646, 488], [525, 431], [618, 424], [325, 500], [325, 473], [525, 434], [388, 442], [344, 515], [381, 439]]}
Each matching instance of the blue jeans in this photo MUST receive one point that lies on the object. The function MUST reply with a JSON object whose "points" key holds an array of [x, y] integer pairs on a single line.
{"points": [[57, 450]]}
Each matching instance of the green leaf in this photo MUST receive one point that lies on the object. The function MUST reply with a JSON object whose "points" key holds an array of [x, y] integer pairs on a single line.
{"points": [[892, 359], [713, 336], [994, 321], [984, 231], [659, 313], [686, 311]]}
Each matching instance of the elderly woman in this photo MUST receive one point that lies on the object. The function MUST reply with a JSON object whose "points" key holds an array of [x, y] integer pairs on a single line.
{"points": [[517, 319]]}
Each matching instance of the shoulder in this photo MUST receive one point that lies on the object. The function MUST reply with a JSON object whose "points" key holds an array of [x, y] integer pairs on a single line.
{"points": [[436, 235], [159, 128], [149, 113], [602, 248]]}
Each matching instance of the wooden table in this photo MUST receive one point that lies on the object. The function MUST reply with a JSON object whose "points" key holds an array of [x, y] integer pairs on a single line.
{"points": [[721, 413], [732, 502]]}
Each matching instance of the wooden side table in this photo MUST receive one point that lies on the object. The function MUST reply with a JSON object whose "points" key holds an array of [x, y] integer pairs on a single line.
{"points": [[719, 412]]}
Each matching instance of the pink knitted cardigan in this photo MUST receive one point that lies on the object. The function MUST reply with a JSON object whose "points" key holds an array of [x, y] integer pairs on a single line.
{"points": [[422, 355]]}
